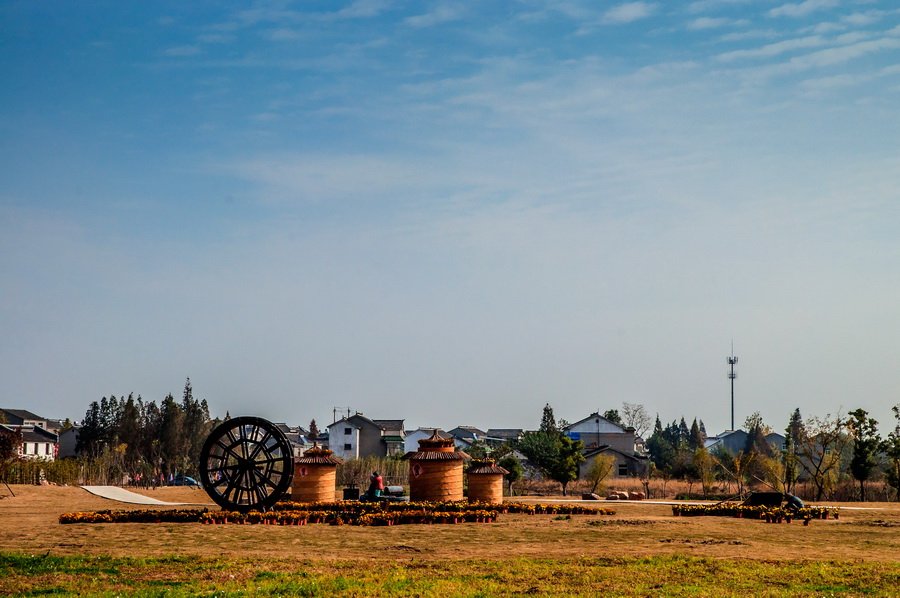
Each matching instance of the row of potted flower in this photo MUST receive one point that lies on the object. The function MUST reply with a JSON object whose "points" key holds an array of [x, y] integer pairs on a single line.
{"points": [[135, 516], [442, 507], [337, 513], [769, 514], [281, 517], [383, 518]]}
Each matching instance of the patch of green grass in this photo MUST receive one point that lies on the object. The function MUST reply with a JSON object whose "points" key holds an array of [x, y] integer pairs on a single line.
{"points": [[670, 575], [32, 564]]}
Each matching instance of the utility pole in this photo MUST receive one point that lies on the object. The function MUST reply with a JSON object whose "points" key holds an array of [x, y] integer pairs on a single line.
{"points": [[732, 361]]}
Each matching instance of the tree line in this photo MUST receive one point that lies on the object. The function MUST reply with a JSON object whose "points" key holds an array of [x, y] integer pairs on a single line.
{"points": [[823, 452], [145, 441], [818, 456]]}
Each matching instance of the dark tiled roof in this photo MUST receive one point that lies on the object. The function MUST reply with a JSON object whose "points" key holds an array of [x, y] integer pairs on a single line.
{"points": [[393, 425], [22, 414], [440, 432], [36, 434], [506, 433], [467, 432]]}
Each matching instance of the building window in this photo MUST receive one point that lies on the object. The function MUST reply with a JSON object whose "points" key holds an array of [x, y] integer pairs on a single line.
{"points": [[348, 431], [348, 447], [623, 469]]}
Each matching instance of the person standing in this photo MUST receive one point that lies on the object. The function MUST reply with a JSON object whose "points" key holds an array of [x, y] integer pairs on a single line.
{"points": [[376, 485]]}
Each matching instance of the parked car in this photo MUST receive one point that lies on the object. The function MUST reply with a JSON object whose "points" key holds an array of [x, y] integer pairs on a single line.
{"points": [[183, 480]]}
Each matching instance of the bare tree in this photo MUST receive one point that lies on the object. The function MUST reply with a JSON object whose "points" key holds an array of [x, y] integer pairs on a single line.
{"points": [[704, 465], [634, 415], [819, 451], [736, 467], [601, 467]]}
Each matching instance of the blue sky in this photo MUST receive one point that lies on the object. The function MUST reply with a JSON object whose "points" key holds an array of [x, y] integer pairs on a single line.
{"points": [[452, 213]]}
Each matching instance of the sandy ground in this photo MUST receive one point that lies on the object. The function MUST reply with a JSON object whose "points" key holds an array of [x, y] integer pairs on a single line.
{"points": [[29, 523]]}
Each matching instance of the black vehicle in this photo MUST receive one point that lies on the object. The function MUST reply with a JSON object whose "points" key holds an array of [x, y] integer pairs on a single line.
{"points": [[773, 499], [183, 480]]}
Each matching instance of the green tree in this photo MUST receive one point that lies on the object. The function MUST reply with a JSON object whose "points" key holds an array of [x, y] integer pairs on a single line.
{"points": [[755, 420], [613, 416], [479, 449], [662, 453], [172, 442], [892, 452], [866, 443], [129, 433], [548, 421], [196, 426], [90, 436], [564, 468], [556, 455], [10, 442], [697, 438], [514, 467], [792, 438]]}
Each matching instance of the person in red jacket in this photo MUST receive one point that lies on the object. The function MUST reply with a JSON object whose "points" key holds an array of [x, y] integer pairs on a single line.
{"points": [[376, 485]]}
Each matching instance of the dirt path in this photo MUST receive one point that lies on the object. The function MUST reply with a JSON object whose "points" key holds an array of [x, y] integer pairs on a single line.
{"points": [[126, 496]]}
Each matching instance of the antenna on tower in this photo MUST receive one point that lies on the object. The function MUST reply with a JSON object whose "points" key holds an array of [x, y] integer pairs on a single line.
{"points": [[732, 361]]}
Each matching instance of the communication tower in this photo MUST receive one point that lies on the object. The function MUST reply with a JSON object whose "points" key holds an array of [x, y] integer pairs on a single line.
{"points": [[732, 361]]}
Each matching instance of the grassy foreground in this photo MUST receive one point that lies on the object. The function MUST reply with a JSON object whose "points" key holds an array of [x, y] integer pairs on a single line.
{"points": [[671, 575]]}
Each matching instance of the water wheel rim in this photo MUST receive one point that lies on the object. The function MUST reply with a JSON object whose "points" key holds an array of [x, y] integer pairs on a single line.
{"points": [[246, 464]]}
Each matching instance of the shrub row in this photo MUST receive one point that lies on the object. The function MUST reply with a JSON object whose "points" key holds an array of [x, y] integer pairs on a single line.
{"points": [[383, 518], [441, 507], [135, 516], [769, 514], [337, 513]]}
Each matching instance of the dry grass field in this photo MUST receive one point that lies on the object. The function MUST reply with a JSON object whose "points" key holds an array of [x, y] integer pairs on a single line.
{"points": [[642, 550]]}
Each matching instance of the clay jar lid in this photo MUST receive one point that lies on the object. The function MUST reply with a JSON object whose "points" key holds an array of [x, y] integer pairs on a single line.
{"points": [[485, 467], [319, 456], [436, 448]]}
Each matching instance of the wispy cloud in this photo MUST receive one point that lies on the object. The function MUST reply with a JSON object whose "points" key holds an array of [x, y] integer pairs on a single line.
{"points": [[702, 23], [181, 51], [774, 49], [705, 5], [827, 57], [738, 36], [801, 9], [629, 12], [215, 38], [843, 54], [442, 13], [363, 9], [284, 34], [861, 19]]}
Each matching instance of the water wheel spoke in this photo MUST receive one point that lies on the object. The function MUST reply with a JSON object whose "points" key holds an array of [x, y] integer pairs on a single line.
{"points": [[246, 463], [264, 479], [260, 445], [269, 462]]}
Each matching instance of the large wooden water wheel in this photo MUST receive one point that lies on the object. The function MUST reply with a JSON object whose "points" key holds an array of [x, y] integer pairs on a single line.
{"points": [[246, 464]]}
